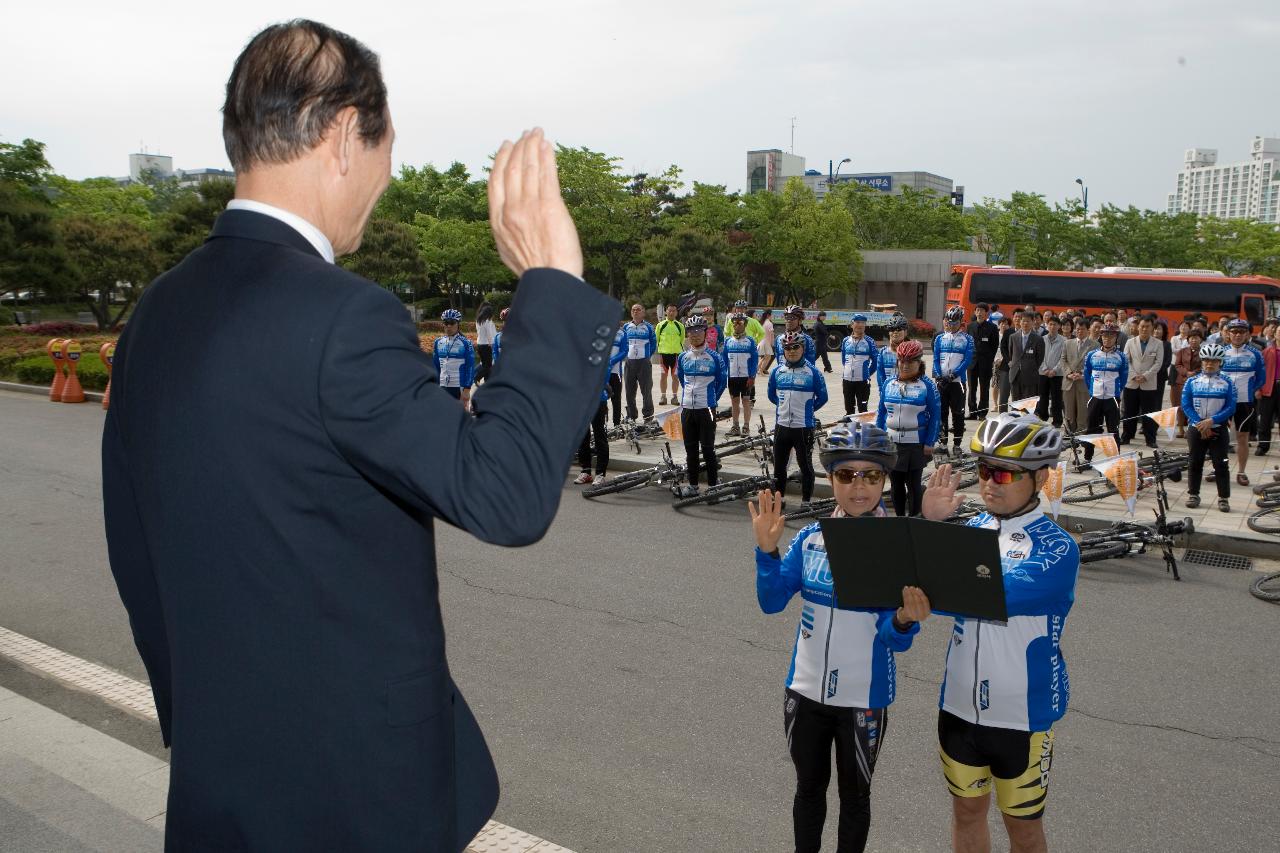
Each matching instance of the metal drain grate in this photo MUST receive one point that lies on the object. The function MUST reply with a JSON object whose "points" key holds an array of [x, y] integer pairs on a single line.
{"points": [[1213, 558]]}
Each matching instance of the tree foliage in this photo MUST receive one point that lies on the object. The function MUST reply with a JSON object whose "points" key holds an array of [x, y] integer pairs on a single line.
{"points": [[110, 255], [914, 219]]}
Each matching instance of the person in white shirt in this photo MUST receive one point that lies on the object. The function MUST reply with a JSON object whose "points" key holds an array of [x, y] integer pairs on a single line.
{"points": [[486, 331]]}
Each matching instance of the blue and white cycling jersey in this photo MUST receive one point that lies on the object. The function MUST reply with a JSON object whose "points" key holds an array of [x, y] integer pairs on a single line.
{"points": [[859, 357], [810, 348], [1244, 367], [497, 347], [1209, 395], [886, 365], [1105, 373], [952, 355], [743, 356], [455, 359], [703, 376], [909, 411], [797, 392], [1012, 675], [841, 656], [618, 354], [642, 341]]}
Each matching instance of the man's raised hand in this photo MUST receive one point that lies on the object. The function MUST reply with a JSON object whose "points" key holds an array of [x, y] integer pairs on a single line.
{"points": [[531, 225], [766, 520], [940, 498]]}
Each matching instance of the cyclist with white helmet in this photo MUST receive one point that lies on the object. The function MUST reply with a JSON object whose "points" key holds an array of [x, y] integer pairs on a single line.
{"points": [[455, 358], [702, 376], [743, 359], [793, 317], [859, 360], [1006, 682], [842, 675], [1209, 401], [887, 357], [908, 411], [754, 329], [952, 355], [797, 389], [1242, 363], [1106, 371]]}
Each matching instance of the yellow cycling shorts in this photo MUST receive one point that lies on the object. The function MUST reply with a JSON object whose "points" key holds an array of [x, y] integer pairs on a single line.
{"points": [[974, 757]]}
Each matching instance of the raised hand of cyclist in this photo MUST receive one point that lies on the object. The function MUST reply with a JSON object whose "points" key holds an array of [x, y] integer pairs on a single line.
{"points": [[940, 498], [766, 520], [915, 606]]}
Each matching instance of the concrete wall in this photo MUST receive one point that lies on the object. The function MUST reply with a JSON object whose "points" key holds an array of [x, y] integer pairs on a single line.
{"points": [[916, 280]]}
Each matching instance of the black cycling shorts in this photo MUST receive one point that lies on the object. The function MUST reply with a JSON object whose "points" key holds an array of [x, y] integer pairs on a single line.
{"points": [[1244, 419], [669, 359], [975, 756], [739, 385]]}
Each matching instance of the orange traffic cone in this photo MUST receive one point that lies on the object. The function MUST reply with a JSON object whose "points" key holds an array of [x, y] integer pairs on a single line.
{"points": [[107, 352], [71, 391], [54, 348]]}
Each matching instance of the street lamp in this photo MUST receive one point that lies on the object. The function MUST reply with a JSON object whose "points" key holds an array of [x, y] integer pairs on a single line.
{"points": [[1085, 195], [831, 175]]}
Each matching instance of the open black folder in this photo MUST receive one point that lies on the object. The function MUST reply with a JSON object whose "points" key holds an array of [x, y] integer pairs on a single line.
{"points": [[958, 567]]}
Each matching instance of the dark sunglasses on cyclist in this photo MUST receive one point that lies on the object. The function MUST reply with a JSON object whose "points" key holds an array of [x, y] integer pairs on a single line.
{"points": [[873, 477], [793, 347], [1002, 476]]}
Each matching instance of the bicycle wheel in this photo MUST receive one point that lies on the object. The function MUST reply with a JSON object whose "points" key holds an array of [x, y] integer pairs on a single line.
{"points": [[732, 490], [1267, 587], [817, 509], [731, 447], [1266, 521], [1267, 502], [1103, 551], [968, 481], [1089, 490], [620, 483]]}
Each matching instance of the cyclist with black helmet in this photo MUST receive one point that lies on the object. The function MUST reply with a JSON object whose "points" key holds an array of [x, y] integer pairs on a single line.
{"points": [[1209, 402], [1006, 682], [952, 355], [887, 357], [455, 358], [793, 317], [859, 360], [797, 388], [909, 412], [702, 376], [743, 359], [842, 675]]}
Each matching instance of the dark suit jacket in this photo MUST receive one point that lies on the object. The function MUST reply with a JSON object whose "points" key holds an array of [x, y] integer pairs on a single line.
{"points": [[1024, 364], [276, 453]]}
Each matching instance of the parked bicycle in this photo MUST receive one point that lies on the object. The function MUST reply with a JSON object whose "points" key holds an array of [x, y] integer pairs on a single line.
{"points": [[667, 473], [1123, 538], [732, 490], [1166, 464]]}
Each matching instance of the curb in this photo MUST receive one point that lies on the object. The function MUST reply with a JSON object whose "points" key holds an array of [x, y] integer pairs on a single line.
{"points": [[89, 396]]}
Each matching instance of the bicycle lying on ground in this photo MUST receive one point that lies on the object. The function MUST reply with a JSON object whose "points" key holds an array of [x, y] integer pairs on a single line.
{"points": [[1267, 518], [633, 432], [667, 473], [1123, 538], [732, 490], [1267, 588], [1161, 464]]}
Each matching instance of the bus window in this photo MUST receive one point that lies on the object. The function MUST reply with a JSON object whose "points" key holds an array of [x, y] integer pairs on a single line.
{"points": [[1253, 309]]}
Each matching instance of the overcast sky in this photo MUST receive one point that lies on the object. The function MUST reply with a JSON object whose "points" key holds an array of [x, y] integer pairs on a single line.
{"points": [[996, 95]]}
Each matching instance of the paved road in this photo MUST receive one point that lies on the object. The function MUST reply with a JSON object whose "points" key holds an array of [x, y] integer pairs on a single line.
{"points": [[631, 689]]}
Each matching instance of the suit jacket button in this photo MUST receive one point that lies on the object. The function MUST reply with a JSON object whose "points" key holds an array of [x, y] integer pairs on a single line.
{"points": [[595, 358], [598, 345], [603, 331]]}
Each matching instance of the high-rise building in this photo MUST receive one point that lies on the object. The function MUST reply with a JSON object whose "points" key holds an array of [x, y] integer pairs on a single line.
{"points": [[161, 165], [1245, 190], [769, 169]]}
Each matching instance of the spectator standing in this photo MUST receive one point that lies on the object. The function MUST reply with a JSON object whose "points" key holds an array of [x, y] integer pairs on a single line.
{"points": [[1269, 400], [486, 331], [1026, 354], [1185, 365], [820, 340], [986, 343], [1161, 333], [1050, 405], [1144, 355], [766, 342], [1075, 394]]}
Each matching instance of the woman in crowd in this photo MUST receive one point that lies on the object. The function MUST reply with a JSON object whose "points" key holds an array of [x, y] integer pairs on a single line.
{"points": [[821, 708], [1161, 332]]}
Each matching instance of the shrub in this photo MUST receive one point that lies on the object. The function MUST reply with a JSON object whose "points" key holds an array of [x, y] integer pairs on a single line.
{"points": [[60, 329], [921, 329], [38, 370]]}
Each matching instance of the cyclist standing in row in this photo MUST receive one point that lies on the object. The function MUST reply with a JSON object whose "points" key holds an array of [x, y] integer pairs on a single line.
{"points": [[1106, 371], [797, 388], [702, 375], [1243, 365], [742, 357], [952, 354], [909, 412], [1006, 682], [455, 358], [860, 361], [637, 372], [794, 314], [754, 329], [887, 357], [597, 433], [670, 335], [1209, 402], [842, 676]]}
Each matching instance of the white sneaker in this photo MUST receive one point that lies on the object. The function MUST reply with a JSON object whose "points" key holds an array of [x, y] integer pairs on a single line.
{"points": [[583, 479], [598, 481]]}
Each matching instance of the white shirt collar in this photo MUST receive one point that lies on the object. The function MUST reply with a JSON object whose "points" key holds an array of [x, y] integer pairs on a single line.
{"points": [[293, 220]]}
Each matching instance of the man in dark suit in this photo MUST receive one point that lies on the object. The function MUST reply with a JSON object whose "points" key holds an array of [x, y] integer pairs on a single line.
{"points": [[986, 342], [277, 451], [1026, 352]]}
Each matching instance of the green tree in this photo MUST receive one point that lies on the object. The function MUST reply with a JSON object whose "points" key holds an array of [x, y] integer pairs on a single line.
{"points": [[671, 265], [913, 219], [1024, 231], [31, 255], [1141, 238], [461, 258], [807, 248], [102, 197], [711, 209], [450, 194], [389, 255], [186, 224], [110, 256], [1238, 247]]}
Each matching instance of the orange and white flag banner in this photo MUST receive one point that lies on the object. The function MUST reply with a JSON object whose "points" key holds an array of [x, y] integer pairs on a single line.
{"points": [[1122, 471], [861, 418], [1026, 404], [671, 425], [1052, 487], [1105, 442], [1166, 419]]}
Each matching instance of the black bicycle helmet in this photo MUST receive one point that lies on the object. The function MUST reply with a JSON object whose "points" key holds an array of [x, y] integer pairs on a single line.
{"points": [[857, 442], [897, 323]]}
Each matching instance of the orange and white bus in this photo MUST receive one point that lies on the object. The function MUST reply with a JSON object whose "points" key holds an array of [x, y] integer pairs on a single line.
{"points": [[1167, 293]]}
